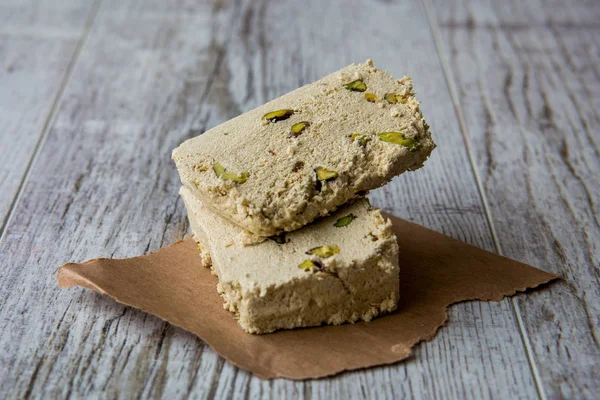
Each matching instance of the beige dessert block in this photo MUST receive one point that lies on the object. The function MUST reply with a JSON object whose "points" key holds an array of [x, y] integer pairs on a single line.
{"points": [[298, 157], [341, 268]]}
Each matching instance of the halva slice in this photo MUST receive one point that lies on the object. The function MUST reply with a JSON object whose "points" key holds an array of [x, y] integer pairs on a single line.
{"points": [[298, 157], [341, 268]]}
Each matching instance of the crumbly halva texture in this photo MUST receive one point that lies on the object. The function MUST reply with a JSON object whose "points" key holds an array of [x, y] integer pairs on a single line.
{"points": [[298, 157], [323, 273]]}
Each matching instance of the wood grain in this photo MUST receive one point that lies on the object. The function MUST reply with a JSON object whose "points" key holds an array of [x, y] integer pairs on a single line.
{"points": [[38, 47], [527, 78], [102, 184]]}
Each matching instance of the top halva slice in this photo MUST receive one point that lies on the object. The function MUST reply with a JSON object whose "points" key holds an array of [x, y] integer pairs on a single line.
{"points": [[280, 166]]}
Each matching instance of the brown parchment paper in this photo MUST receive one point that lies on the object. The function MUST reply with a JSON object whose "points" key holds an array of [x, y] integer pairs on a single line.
{"points": [[435, 271]]}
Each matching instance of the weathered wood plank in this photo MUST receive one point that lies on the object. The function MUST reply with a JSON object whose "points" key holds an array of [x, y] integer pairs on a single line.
{"points": [[152, 75], [528, 80], [38, 44]]}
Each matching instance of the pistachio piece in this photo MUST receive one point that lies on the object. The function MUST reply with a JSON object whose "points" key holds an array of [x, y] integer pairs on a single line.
{"points": [[200, 247], [356, 86], [394, 98], [222, 173], [324, 174], [391, 98], [371, 97], [399, 138], [324, 251], [362, 139], [219, 169], [308, 265], [279, 239], [278, 115], [298, 128], [344, 221]]}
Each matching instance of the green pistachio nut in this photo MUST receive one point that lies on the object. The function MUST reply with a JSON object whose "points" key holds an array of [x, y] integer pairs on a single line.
{"points": [[356, 86], [324, 174], [394, 98], [371, 97], [344, 221], [324, 251], [298, 128], [307, 265], [399, 138], [391, 98], [278, 115], [222, 173]]}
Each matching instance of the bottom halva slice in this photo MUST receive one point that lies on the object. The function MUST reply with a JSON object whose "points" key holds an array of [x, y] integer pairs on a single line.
{"points": [[342, 268]]}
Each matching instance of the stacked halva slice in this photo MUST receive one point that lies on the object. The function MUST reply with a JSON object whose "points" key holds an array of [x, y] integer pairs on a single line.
{"points": [[275, 199]]}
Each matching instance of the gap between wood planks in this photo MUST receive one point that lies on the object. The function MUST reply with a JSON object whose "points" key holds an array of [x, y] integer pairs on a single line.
{"points": [[49, 121], [435, 33]]}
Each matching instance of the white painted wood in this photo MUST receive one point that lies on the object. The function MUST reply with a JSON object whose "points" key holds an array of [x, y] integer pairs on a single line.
{"points": [[152, 74], [38, 43], [528, 82]]}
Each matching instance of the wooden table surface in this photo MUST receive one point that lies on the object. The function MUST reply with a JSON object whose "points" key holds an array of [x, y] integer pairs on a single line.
{"points": [[94, 95]]}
